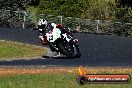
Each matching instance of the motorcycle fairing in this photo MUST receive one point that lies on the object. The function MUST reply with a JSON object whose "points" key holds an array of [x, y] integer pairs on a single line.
{"points": [[54, 35]]}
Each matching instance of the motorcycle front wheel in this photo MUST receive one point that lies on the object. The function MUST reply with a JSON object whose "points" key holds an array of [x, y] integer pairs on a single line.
{"points": [[67, 49]]}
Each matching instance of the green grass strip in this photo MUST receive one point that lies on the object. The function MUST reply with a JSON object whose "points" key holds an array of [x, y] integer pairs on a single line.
{"points": [[18, 50], [51, 80]]}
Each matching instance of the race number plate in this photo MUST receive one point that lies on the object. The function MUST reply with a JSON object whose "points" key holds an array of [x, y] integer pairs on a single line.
{"points": [[51, 37]]}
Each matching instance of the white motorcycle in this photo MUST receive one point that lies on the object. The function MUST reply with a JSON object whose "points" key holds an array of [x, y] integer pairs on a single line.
{"points": [[61, 42]]}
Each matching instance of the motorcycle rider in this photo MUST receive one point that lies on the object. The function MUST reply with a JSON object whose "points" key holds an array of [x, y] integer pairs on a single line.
{"points": [[44, 26]]}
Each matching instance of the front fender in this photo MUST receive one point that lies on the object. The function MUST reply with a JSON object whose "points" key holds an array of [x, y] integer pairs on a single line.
{"points": [[68, 38]]}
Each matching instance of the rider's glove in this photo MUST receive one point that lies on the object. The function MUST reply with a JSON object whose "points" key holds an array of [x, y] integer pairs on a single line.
{"points": [[42, 40]]}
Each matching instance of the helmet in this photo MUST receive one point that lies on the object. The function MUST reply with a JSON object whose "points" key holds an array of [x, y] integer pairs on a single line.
{"points": [[42, 24]]}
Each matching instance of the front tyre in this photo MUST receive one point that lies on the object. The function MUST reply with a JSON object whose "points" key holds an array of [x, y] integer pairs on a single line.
{"points": [[67, 49]]}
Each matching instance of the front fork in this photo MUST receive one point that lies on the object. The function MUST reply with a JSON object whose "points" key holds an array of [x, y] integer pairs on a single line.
{"points": [[76, 45]]}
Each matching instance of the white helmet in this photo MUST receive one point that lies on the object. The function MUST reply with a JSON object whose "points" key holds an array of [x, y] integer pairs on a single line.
{"points": [[42, 23]]}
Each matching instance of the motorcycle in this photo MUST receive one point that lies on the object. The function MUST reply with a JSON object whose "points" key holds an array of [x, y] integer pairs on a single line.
{"points": [[61, 42]]}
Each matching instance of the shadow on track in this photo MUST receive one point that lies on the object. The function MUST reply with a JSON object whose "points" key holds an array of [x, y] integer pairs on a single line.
{"points": [[61, 57]]}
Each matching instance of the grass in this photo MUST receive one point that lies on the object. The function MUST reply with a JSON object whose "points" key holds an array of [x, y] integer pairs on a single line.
{"points": [[52, 79], [14, 50]]}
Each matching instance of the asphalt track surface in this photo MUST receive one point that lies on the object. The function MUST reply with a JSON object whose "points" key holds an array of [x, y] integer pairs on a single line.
{"points": [[97, 50]]}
